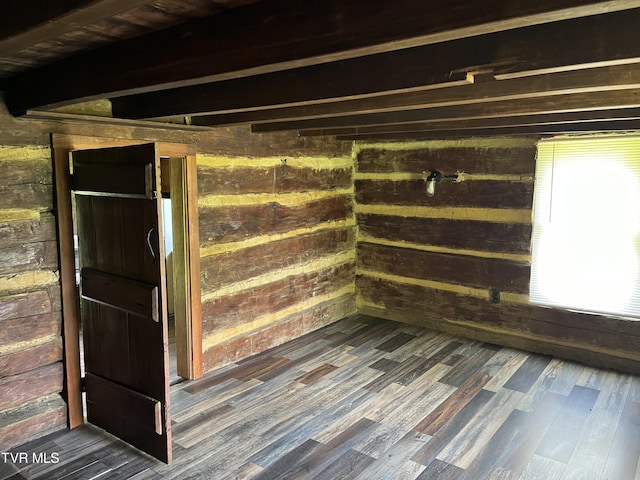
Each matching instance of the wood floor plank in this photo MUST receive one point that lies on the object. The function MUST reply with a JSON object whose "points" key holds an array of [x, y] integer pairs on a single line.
{"points": [[613, 391], [528, 373], [541, 386], [397, 417], [328, 453], [542, 467], [563, 435], [524, 444], [440, 470], [287, 462], [589, 458], [370, 399], [514, 359], [395, 342], [624, 454], [498, 447], [282, 440], [397, 459], [349, 465], [395, 375], [475, 435], [445, 434], [455, 402], [316, 374], [567, 376]]}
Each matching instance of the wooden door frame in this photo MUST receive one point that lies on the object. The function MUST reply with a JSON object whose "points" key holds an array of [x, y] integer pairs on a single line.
{"points": [[189, 323]]}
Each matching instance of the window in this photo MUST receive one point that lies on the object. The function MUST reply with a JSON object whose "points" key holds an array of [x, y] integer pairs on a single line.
{"points": [[586, 228]]}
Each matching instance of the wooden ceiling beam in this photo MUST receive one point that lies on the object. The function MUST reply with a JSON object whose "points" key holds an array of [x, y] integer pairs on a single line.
{"points": [[275, 35], [603, 79], [509, 108], [347, 85], [566, 119], [604, 126], [24, 23]]}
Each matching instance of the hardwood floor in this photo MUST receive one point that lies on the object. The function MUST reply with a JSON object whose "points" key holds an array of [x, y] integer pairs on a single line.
{"points": [[372, 399]]}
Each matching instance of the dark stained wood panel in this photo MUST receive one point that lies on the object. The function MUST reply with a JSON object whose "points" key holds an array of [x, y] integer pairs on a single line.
{"points": [[124, 294], [143, 411]]}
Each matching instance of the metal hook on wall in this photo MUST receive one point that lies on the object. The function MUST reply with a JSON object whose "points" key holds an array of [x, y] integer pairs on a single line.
{"points": [[434, 176]]}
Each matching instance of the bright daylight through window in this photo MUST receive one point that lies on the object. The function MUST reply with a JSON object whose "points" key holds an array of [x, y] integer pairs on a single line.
{"points": [[586, 228]]}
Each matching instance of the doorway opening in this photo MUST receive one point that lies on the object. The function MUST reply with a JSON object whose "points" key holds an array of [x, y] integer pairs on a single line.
{"points": [[182, 275]]}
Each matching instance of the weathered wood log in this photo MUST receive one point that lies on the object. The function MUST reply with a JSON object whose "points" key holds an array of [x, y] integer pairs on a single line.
{"points": [[27, 171], [482, 194], [31, 421], [278, 179], [231, 310], [228, 224], [517, 160], [24, 305], [587, 338], [292, 327], [29, 256], [27, 329], [30, 358], [29, 196], [444, 267], [238, 265], [474, 235], [32, 230], [31, 385]]}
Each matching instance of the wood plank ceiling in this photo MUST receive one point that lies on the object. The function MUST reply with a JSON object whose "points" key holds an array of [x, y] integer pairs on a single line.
{"points": [[375, 69]]}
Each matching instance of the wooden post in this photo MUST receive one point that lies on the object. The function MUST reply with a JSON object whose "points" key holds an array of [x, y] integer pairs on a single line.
{"points": [[70, 305]]}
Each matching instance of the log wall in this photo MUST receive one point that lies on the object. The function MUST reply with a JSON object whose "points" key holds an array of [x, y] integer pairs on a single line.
{"points": [[460, 261], [278, 243], [30, 318], [277, 250]]}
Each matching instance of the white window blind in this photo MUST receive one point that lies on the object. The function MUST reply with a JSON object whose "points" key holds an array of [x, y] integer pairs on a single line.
{"points": [[586, 227]]}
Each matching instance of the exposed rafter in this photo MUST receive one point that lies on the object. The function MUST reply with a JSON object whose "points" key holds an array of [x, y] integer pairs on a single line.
{"points": [[480, 89], [558, 119], [275, 35], [506, 108], [318, 90], [604, 126]]}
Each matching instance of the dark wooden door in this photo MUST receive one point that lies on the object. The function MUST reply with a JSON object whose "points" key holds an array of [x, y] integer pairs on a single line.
{"points": [[123, 308]]}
